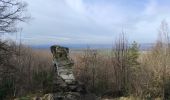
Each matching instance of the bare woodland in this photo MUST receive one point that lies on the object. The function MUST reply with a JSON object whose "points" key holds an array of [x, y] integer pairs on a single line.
{"points": [[128, 71], [125, 72]]}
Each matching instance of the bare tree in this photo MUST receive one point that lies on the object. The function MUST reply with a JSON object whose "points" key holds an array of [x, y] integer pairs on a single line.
{"points": [[164, 40], [120, 53], [158, 63], [11, 12]]}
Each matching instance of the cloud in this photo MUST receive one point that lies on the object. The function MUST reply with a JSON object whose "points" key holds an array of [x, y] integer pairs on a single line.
{"points": [[93, 21]]}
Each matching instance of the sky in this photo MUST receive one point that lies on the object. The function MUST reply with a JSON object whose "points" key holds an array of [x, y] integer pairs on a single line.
{"points": [[92, 21]]}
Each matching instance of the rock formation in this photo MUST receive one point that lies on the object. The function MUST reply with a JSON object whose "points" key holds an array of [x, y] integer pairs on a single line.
{"points": [[65, 85]]}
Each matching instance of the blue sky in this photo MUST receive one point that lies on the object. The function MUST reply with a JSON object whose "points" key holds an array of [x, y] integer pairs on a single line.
{"points": [[93, 21]]}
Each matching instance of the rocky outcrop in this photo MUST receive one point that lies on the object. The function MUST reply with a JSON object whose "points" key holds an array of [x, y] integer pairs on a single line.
{"points": [[64, 96], [65, 86]]}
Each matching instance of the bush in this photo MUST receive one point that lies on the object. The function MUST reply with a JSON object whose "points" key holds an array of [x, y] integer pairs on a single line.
{"points": [[43, 81], [6, 88]]}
